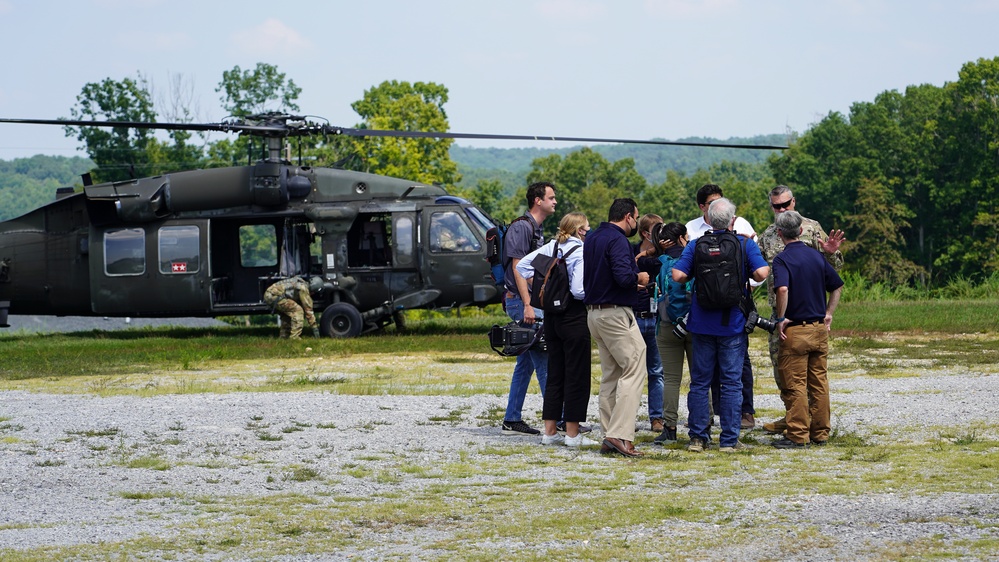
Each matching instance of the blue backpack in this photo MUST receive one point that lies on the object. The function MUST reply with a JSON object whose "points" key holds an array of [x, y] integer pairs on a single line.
{"points": [[673, 298]]}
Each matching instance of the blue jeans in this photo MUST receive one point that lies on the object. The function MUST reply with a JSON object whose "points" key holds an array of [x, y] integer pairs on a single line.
{"points": [[727, 352], [747, 383], [654, 365], [530, 361]]}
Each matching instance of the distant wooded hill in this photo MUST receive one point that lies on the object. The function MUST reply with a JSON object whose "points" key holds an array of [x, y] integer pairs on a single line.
{"points": [[26, 183], [510, 165]]}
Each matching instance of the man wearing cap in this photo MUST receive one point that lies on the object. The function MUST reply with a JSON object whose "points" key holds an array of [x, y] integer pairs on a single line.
{"points": [[802, 277]]}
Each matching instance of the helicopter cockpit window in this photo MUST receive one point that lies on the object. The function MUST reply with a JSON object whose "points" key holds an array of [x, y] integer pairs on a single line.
{"points": [[125, 252], [480, 220], [180, 251], [258, 245], [448, 233]]}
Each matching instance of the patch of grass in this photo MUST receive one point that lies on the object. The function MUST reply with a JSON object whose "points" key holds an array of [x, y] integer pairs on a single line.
{"points": [[145, 495], [301, 474], [151, 462], [50, 462], [104, 432]]}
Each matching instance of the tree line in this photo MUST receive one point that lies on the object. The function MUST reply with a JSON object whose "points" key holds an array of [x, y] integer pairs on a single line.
{"points": [[912, 177]]}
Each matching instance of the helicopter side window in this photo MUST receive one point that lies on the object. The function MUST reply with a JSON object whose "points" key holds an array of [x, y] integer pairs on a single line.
{"points": [[258, 245], [125, 252], [180, 251], [448, 233], [368, 242]]}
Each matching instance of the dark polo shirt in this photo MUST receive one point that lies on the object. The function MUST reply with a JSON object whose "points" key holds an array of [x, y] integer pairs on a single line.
{"points": [[808, 277], [610, 274]]}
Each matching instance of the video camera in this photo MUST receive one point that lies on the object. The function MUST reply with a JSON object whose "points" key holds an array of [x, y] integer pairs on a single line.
{"points": [[514, 339]]}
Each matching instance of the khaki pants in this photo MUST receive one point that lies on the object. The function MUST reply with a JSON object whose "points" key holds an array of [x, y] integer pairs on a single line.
{"points": [[805, 391], [622, 364]]}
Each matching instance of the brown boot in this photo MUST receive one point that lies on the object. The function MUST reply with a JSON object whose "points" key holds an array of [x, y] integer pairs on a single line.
{"points": [[775, 427], [748, 422]]}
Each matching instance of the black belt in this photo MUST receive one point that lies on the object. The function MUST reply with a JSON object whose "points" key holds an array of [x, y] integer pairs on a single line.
{"points": [[805, 322], [645, 314], [602, 306]]}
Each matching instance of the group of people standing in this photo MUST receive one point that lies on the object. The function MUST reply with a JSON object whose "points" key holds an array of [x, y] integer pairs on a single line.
{"points": [[638, 303]]}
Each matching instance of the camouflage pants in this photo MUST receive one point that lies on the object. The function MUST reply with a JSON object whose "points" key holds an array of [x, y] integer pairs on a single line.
{"points": [[292, 318]]}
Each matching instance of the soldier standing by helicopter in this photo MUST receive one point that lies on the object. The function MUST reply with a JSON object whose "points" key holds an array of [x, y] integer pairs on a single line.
{"points": [[291, 299]]}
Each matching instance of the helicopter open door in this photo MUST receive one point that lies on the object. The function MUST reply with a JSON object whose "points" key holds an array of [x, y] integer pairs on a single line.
{"points": [[153, 269]]}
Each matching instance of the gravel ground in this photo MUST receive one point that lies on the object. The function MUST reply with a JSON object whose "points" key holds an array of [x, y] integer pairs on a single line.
{"points": [[64, 476]]}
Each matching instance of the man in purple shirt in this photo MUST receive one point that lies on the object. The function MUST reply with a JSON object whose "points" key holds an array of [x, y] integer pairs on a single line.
{"points": [[718, 342], [611, 281]]}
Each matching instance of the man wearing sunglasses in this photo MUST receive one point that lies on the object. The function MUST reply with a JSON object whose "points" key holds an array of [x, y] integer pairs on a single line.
{"points": [[781, 201]]}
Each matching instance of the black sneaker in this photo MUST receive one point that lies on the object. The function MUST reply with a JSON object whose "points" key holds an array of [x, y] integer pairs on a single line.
{"points": [[513, 428], [560, 427], [666, 437], [785, 443]]}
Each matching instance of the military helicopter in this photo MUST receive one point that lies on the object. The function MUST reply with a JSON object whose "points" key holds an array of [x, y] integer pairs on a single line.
{"points": [[189, 243]]}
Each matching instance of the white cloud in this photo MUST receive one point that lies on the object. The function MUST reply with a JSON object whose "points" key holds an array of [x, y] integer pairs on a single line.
{"points": [[269, 38]]}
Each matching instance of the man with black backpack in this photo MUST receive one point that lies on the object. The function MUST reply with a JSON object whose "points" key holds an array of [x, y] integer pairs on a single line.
{"points": [[719, 263], [523, 237], [707, 194]]}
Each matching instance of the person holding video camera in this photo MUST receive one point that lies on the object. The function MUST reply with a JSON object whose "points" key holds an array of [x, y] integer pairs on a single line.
{"points": [[717, 324], [802, 277]]}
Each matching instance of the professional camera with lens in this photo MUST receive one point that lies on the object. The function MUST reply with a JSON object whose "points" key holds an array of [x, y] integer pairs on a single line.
{"points": [[515, 338], [754, 320], [680, 328]]}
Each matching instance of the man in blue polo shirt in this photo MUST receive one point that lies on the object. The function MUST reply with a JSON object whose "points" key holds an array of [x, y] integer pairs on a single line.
{"points": [[718, 342], [802, 277]]}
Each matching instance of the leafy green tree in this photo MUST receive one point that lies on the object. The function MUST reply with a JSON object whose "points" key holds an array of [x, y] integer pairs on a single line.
{"points": [[248, 92], [877, 252], [402, 106], [968, 191], [120, 152], [261, 90]]}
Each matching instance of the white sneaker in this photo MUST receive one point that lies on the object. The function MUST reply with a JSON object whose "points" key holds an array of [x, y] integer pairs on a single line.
{"points": [[579, 440], [556, 439]]}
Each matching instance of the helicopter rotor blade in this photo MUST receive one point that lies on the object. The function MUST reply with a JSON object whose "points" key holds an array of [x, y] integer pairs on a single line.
{"points": [[277, 125], [448, 135]]}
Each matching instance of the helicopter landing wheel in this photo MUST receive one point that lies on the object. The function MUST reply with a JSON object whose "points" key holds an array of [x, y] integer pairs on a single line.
{"points": [[341, 320]]}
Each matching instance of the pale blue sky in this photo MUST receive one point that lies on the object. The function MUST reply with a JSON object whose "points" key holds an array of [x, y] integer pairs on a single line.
{"points": [[596, 68]]}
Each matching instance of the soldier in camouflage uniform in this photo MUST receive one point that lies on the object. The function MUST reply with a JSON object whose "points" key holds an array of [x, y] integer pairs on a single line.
{"points": [[292, 300], [812, 235]]}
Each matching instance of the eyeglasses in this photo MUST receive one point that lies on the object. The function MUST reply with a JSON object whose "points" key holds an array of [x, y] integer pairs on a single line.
{"points": [[783, 205]]}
